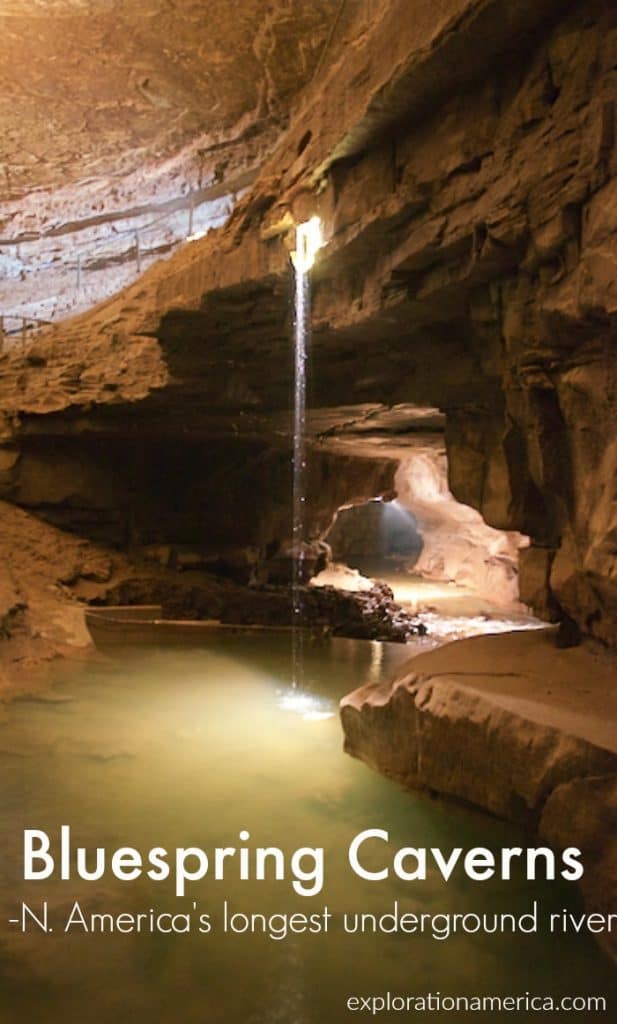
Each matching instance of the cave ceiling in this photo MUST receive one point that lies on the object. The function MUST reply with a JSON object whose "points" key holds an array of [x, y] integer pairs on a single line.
{"points": [[97, 87]]}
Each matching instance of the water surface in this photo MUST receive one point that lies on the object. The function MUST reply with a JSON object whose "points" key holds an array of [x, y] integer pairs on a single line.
{"points": [[180, 749]]}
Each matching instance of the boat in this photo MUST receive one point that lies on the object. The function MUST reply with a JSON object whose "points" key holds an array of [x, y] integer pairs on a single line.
{"points": [[144, 625]]}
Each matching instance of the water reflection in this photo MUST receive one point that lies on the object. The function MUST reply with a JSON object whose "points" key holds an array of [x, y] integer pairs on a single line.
{"points": [[188, 749]]}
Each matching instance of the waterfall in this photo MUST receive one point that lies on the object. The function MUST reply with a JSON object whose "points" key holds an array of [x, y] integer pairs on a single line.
{"points": [[308, 241], [302, 333]]}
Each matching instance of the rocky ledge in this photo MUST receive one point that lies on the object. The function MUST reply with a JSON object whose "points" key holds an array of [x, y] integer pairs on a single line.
{"points": [[542, 720], [50, 576], [368, 615]]}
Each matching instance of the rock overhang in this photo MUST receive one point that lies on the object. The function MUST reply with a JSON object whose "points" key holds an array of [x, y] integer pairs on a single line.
{"points": [[455, 242]]}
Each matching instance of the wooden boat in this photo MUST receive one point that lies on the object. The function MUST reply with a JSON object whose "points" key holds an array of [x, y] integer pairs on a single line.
{"points": [[143, 625]]}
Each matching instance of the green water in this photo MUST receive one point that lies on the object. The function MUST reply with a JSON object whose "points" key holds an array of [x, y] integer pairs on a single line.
{"points": [[187, 749]]}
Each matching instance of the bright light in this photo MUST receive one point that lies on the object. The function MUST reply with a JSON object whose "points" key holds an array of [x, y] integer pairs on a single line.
{"points": [[310, 707], [309, 240]]}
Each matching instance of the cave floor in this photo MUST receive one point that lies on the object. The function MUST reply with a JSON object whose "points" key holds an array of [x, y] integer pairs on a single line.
{"points": [[572, 691], [505, 655], [448, 610], [510, 724]]}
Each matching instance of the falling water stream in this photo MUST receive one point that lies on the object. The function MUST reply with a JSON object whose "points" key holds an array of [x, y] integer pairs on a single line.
{"points": [[302, 330], [308, 241]]}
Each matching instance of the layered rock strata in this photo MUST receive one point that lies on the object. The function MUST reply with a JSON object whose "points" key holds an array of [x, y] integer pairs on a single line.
{"points": [[48, 577], [544, 722], [129, 127], [469, 210]]}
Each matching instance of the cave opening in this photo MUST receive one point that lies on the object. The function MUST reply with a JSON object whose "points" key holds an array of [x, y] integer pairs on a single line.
{"points": [[438, 556], [375, 537]]}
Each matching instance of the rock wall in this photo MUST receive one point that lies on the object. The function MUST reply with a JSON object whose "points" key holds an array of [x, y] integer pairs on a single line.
{"points": [[470, 212], [427, 532], [151, 142], [213, 498], [514, 704], [42, 570], [458, 545]]}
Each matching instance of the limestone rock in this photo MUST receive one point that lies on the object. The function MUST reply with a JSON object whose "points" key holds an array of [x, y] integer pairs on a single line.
{"points": [[583, 813], [469, 212], [511, 726], [441, 735], [151, 140]]}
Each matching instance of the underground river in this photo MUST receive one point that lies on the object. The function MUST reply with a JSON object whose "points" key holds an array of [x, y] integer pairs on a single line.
{"points": [[188, 749]]}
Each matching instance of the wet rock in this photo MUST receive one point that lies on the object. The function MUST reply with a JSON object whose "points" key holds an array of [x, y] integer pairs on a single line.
{"points": [[568, 634], [583, 813], [42, 571], [369, 615], [437, 734], [279, 568], [364, 615], [512, 726], [534, 575]]}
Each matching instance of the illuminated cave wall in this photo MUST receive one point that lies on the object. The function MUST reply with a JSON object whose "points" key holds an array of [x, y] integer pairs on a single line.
{"points": [[427, 532]]}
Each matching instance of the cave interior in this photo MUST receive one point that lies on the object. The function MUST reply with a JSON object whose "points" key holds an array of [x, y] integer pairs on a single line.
{"points": [[461, 445]]}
